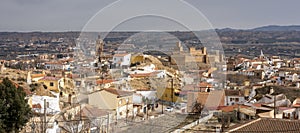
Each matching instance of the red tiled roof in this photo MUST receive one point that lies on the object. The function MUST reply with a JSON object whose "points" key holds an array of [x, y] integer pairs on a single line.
{"points": [[232, 107], [140, 75], [50, 78], [104, 81], [119, 93], [257, 104], [36, 106], [37, 75], [204, 85], [269, 125], [73, 75], [120, 55]]}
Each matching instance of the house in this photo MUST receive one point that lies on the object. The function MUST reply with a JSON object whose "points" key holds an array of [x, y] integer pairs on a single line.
{"points": [[296, 103], [34, 76], [36, 102], [281, 101], [52, 83], [140, 75], [147, 94], [99, 119], [121, 60], [144, 101], [290, 113], [118, 100], [169, 94], [267, 125], [155, 74], [205, 86], [54, 66], [241, 112], [105, 83], [138, 103], [296, 63], [234, 97], [209, 100], [159, 74]]}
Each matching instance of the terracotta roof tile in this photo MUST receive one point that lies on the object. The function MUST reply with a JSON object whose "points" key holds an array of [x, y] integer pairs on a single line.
{"points": [[140, 75], [37, 75], [204, 85], [232, 108], [36, 106], [119, 93], [50, 78], [104, 81], [269, 125], [120, 55]]}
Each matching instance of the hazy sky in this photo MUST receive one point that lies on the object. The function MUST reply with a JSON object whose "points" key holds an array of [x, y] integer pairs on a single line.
{"points": [[72, 15]]}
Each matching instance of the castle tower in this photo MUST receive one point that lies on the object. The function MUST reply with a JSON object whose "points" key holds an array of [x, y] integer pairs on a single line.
{"points": [[179, 47], [99, 48]]}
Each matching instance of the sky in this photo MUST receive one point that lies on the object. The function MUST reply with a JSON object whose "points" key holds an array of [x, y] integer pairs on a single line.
{"points": [[73, 15]]}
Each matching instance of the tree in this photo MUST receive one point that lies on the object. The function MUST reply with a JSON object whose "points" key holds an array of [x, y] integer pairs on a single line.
{"points": [[14, 110]]}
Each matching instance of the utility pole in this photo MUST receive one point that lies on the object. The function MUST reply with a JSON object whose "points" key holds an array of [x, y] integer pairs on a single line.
{"points": [[147, 109], [238, 113], [222, 120], [45, 116], [127, 100], [162, 107], [80, 117], [107, 123], [172, 90], [275, 106]]}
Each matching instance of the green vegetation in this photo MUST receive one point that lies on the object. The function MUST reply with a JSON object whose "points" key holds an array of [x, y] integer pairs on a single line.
{"points": [[14, 110]]}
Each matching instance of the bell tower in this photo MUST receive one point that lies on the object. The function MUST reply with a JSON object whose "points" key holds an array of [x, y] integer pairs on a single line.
{"points": [[99, 48]]}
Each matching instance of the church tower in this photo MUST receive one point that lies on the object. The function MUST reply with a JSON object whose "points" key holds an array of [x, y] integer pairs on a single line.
{"points": [[99, 48], [261, 56]]}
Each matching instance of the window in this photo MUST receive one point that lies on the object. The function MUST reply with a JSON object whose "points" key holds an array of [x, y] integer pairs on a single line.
{"points": [[236, 99], [51, 84]]}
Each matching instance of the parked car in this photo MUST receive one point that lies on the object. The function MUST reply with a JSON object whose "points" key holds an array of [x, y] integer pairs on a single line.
{"points": [[169, 109]]}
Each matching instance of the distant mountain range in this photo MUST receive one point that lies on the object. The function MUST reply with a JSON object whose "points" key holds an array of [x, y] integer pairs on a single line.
{"points": [[278, 28], [269, 28]]}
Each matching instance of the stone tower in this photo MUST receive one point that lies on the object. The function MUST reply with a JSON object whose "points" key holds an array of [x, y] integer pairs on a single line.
{"points": [[99, 48]]}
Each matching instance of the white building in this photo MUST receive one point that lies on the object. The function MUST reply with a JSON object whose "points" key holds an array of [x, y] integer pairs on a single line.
{"points": [[121, 60]]}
